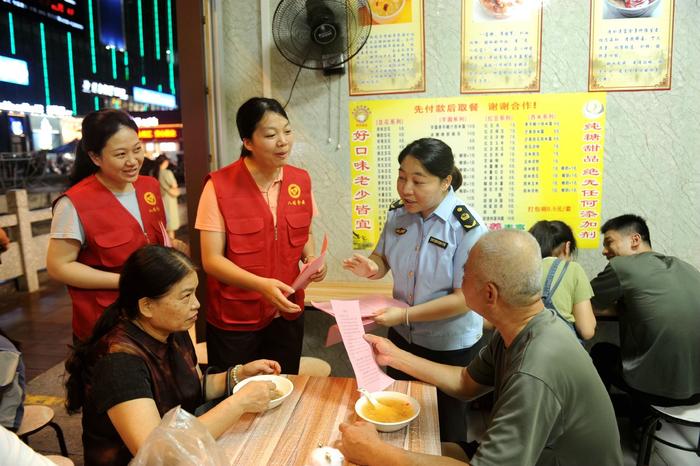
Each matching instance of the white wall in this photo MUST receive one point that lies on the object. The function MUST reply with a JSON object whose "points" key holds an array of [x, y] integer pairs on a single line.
{"points": [[652, 160]]}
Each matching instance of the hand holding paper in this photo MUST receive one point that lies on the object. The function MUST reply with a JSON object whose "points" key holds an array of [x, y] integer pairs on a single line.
{"points": [[304, 278], [368, 374]]}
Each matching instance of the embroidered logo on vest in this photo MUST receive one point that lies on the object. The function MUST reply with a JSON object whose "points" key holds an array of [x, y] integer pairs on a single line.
{"points": [[294, 190], [400, 231], [149, 197]]}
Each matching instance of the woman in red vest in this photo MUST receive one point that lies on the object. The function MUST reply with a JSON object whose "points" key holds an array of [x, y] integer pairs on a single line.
{"points": [[255, 222], [108, 212]]}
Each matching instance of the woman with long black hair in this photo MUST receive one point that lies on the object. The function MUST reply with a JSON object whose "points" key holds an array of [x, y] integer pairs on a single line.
{"points": [[108, 212]]}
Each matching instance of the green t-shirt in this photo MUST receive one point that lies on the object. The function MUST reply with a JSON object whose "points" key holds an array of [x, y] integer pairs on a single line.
{"points": [[573, 289], [658, 302], [550, 406]]}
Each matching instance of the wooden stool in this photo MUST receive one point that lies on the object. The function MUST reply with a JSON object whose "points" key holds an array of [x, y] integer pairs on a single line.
{"points": [[60, 460], [683, 415], [36, 417], [314, 367]]}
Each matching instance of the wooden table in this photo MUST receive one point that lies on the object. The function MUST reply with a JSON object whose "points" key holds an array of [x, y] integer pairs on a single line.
{"points": [[310, 417], [325, 291]]}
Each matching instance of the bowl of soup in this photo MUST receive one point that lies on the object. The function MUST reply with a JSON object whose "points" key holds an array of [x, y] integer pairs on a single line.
{"points": [[283, 387], [633, 8], [395, 412], [385, 11]]}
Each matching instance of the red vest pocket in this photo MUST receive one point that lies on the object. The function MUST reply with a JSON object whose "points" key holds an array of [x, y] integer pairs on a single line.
{"points": [[110, 247], [246, 235], [241, 307], [298, 228]]}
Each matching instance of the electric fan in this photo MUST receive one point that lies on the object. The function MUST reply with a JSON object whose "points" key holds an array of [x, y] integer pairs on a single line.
{"points": [[321, 34]]}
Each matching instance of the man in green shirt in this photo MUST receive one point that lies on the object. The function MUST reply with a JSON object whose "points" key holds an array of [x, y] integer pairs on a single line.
{"points": [[657, 298], [550, 406]]}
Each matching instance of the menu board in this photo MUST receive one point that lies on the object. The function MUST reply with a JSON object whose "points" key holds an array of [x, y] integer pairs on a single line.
{"points": [[631, 45], [523, 157], [393, 59], [501, 45]]}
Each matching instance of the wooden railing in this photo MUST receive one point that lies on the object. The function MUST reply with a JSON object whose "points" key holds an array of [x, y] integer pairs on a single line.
{"points": [[27, 253]]}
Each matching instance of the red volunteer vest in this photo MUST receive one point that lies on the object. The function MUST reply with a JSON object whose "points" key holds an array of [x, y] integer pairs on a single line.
{"points": [[256, 245], [111, 235]]}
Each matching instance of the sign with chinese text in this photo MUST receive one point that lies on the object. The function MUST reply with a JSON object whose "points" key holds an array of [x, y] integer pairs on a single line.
{"points": [[631, 45], [501, 46], [393, 59], [523, 158]]}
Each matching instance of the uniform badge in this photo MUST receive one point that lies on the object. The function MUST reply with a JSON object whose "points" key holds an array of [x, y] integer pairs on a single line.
{"points": [[150, 198], [396, 204], [438, 242], [465, 218], [294, 190], [400, 231]]}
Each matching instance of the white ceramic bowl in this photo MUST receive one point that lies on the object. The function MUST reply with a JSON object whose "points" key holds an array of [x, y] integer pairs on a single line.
{"points": [[282, 384], [509, 8], [388, 426], [633, 12], [386, 18]]}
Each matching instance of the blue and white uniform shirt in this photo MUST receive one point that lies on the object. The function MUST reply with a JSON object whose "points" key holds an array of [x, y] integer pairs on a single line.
{"points": [[427, 258]]}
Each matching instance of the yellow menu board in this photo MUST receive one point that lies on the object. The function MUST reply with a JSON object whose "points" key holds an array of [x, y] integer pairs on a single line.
{"points": [[393, 59], [523, 157], [631, 45], [501, 45]]}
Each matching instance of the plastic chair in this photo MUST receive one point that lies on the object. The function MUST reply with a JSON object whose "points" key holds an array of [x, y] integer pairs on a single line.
{"points": [[314, 367], [683, 415], [36, 417]]}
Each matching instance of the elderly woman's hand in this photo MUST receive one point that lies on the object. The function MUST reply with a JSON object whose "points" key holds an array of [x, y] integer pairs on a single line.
{"points": [[260, 366], [254, 397]]}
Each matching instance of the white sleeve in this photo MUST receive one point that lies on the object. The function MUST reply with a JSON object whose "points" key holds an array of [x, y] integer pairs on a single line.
{"points": [[17, 453], [65, 223]]}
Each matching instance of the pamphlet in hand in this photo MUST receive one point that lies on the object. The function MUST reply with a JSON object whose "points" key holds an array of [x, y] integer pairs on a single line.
{"points": [[303, 280], [368, 374]]}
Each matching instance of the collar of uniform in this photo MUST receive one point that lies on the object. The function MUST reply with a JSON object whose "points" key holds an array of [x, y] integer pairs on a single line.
{"points": [[444, 210]]}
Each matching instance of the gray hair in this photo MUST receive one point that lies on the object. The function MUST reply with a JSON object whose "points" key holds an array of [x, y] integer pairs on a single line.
{"points": [[511, 260]]}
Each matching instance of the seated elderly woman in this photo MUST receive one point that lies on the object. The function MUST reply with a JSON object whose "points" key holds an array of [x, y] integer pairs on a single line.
{"points": [[140, 362]]}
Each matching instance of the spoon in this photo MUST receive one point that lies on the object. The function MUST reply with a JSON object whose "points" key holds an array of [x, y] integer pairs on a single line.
{"points": [[370, 398]]}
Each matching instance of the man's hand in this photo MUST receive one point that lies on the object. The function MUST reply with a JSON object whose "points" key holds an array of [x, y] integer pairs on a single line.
{"points": [[358, 442], [385, 352]]}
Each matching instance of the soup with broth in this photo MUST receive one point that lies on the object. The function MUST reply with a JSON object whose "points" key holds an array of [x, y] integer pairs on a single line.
{"points": [[390, 410], [385, 7]]}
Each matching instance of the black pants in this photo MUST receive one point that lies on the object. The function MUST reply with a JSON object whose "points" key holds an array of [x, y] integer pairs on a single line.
{"points": [[451, 411], [281, 341], [608, 362]]}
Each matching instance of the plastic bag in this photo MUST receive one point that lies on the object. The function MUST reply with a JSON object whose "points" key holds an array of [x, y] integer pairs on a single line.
{"points": [[180, 439]]}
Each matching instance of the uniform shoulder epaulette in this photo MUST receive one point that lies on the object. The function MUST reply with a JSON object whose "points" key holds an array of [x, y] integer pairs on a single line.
{"points": [[465, 217], [396, 204]]}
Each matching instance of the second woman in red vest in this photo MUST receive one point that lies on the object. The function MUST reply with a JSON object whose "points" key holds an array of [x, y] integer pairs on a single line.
{"points": [[108, 213], [255, 222]]}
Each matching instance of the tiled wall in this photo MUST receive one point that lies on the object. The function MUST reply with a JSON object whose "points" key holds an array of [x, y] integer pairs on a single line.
{"points": [[652, 153]]}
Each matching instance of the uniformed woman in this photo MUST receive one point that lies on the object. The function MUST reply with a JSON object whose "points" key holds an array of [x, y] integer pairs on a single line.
{"points": [[108, 213], [254, 218], [425, 243]]}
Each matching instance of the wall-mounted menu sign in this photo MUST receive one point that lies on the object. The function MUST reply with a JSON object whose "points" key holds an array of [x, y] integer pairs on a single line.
{"points": [[523, 157], [631, 45], [501, 45], [393, 59]]}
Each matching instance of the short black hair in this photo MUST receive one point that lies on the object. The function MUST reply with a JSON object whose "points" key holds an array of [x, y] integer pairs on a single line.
{"points": [[628, 223]]}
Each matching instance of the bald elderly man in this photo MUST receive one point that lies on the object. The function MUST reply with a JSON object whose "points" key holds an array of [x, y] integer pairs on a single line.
{"points": [[550, 406]]}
